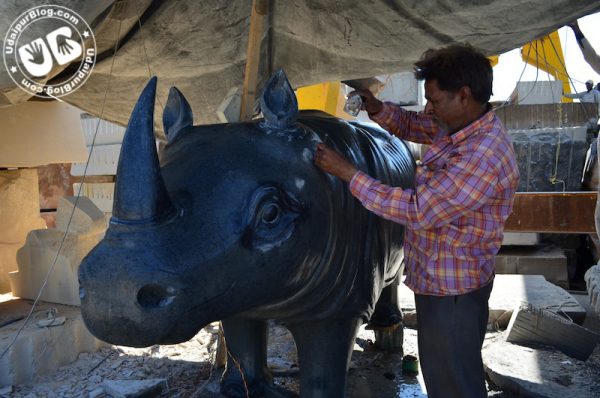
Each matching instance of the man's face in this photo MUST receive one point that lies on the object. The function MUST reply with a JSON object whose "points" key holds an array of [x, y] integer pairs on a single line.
{"points": [[446, 107], [589, 86]]}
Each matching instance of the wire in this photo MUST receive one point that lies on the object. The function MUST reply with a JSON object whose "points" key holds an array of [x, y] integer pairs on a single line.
{"points": [[568, 76], [143, 36], [507, 101], [239, 368], [64, 236], [537, 71]]}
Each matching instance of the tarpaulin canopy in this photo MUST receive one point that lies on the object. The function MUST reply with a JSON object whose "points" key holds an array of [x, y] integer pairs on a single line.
{"points": [[200, 46]]}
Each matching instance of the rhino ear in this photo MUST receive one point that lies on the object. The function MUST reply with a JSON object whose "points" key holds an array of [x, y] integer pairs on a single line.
{"points": [[177, 114], [278, 102]]}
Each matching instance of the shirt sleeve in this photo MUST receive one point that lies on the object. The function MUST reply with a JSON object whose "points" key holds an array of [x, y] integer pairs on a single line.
{"points": [[463, 186], [408, 125]]}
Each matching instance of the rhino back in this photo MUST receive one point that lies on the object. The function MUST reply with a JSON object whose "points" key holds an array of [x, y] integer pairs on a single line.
{"points": [[387, 159], [362, 252]]}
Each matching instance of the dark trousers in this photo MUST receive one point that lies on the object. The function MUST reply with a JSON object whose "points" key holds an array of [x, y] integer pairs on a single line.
{"points": [[451, 330]]}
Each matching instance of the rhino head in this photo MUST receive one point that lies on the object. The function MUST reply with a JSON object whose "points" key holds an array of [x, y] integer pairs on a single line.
{"points": [[234, 219]]}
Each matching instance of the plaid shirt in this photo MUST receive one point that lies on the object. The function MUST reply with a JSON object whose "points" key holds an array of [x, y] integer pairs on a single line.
{"points": [[455, 214]]}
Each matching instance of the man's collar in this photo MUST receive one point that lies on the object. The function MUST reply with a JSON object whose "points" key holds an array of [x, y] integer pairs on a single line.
{"points": [[474, 126]]}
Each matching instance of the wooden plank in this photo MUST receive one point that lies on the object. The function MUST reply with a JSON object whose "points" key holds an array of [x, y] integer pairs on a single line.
{"points": [[93, 179], [553, 212], [534, 325], [260, 9]]}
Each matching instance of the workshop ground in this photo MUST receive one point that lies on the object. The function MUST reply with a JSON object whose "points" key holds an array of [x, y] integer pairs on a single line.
{"points": [[187, 369]]}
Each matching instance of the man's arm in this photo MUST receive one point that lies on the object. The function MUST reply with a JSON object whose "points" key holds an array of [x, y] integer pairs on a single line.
{"points": [[464, 185], [590, 56], [574, 95], [408, 125]]}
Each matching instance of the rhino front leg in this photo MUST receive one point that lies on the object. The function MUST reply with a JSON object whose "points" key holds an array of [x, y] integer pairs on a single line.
{"points": [[324, 350], [246, 352]]}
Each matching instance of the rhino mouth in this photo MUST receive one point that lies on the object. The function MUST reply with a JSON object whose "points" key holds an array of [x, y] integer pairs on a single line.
{"points": [[201, 307]]}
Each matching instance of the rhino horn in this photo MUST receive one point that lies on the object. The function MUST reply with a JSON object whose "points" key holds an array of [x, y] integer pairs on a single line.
{"points": [[140, 193], [278, 102]]}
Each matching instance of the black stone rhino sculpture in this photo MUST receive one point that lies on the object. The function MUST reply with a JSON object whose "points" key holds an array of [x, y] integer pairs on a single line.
{"points": [[237, 224]]}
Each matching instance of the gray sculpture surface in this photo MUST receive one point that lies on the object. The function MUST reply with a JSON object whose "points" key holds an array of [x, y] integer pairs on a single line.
{"points": [[235, 223]]}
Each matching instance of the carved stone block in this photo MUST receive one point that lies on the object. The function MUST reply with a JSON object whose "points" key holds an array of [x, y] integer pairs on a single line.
{"points": [[40, 258]]}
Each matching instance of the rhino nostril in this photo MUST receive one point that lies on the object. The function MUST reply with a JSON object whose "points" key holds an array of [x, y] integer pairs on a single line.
{"points": [[154, 296]]}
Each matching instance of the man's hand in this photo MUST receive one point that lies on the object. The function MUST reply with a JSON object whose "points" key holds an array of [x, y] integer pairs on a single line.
{"points": [[370, 103], [575, 26], [333, 163]]}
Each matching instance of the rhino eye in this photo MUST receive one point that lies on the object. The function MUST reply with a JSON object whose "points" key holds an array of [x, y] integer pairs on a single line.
{"points": [[271, 216], [270, 213]]}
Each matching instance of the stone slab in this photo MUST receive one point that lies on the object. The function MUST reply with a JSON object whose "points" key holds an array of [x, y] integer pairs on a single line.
{"points": [[85, 218], [539, 373], [101, 193], [40, 351], [19, 214], [543, 152], [36, 133], [20, 204], [104, 161], [545, 115], [534, 326], [511, 290], [135, 388], [520, 239], [538, 92], [40, 259], [551, 262], [13, 310], [106, 132]]}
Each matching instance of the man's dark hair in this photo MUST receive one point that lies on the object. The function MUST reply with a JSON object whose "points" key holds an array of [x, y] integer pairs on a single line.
{"points": [[456, 66]]}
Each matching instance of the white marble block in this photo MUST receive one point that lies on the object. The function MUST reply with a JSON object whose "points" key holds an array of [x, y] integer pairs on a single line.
{"points": [[84, 228], [101, 193], [103, 161], [19, 214]]}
